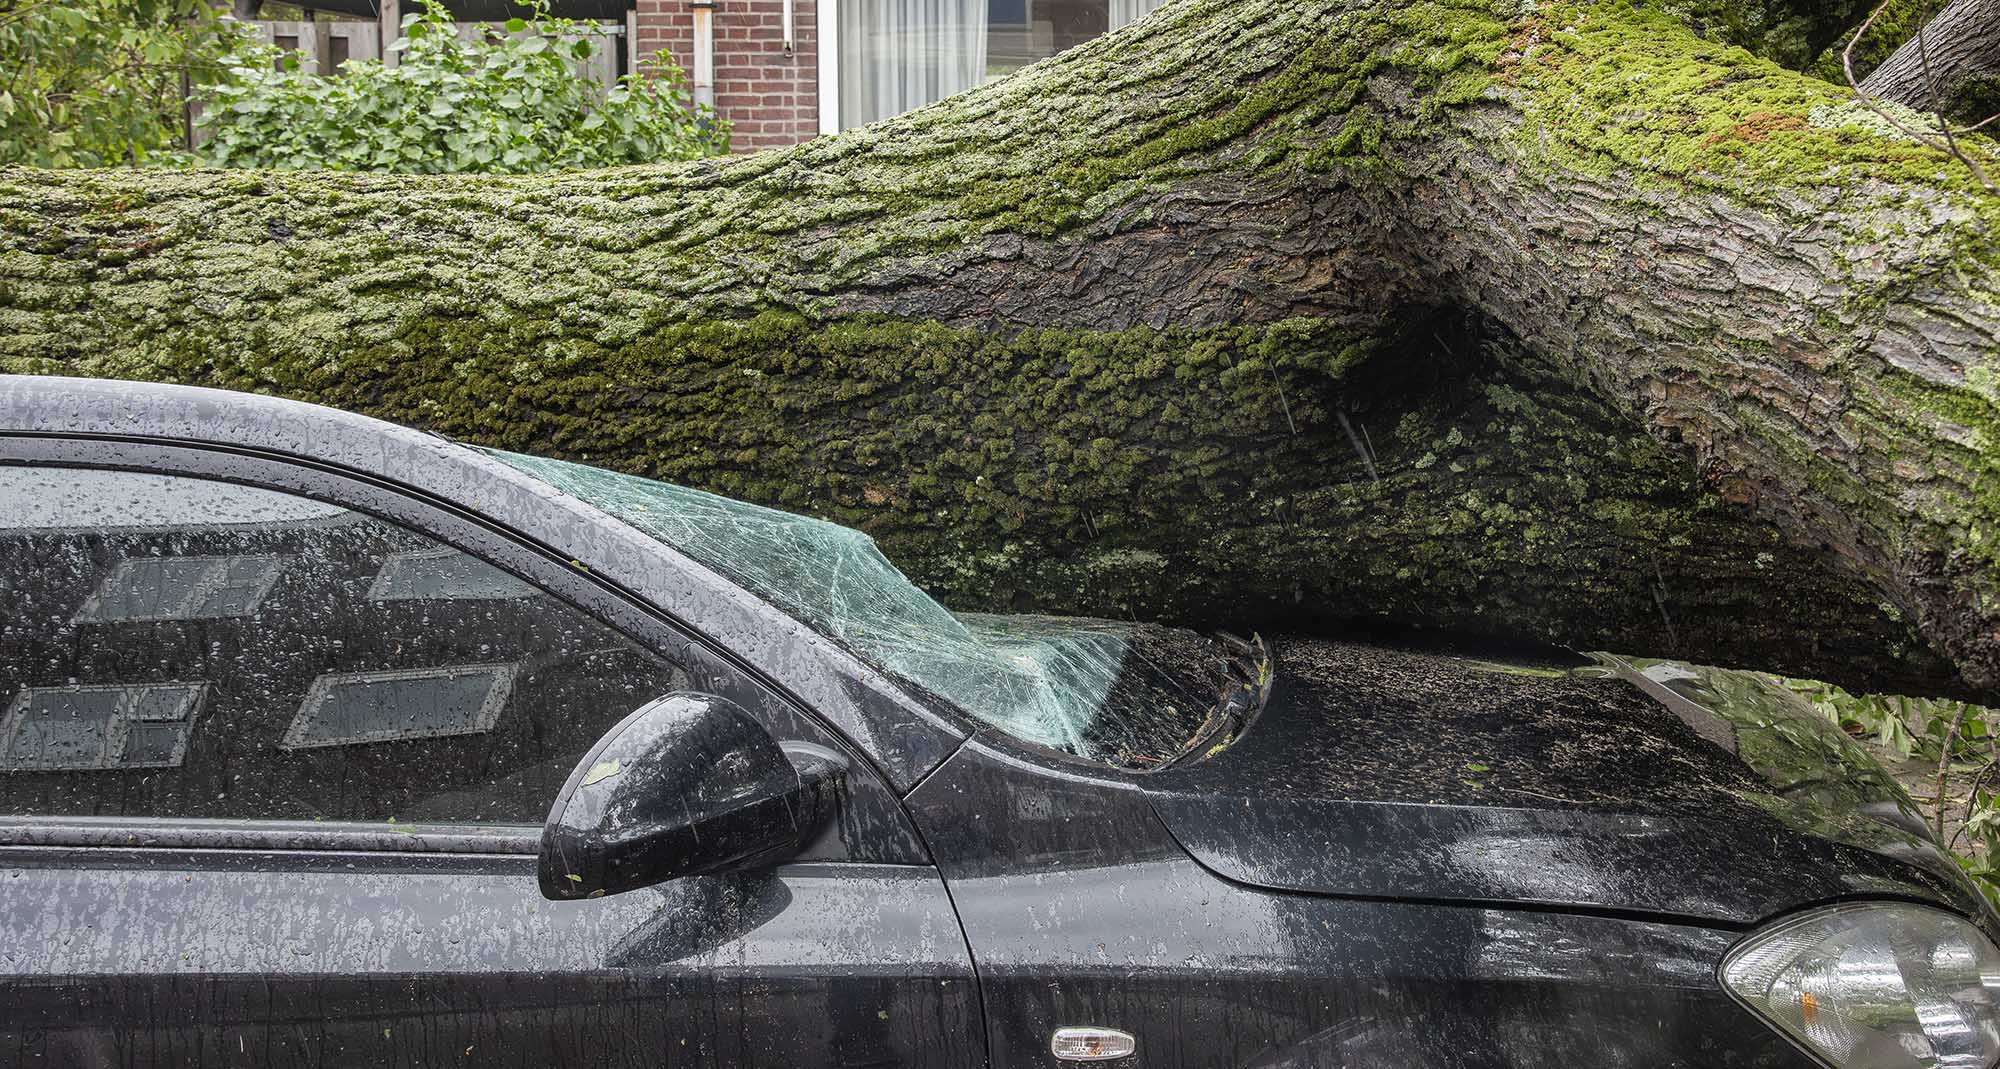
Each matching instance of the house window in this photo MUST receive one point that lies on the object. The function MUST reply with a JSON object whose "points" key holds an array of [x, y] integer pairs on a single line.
{"points": [[890, 56]]}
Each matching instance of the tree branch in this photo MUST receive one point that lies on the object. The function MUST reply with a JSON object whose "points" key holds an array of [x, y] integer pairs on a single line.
{"points": [[1718, 382], [1907, 78], [1962, 41]]}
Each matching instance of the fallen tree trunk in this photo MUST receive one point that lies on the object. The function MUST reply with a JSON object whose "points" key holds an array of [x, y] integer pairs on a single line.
{"points": [[1960, 44], [1397, 312]]}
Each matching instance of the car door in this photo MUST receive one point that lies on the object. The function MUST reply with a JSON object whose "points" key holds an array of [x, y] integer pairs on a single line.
{"points": [[272, 774]]}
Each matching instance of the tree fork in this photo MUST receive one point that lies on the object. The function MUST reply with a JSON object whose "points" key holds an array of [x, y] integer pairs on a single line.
{"points": [[1960, 44], [1104, 336]]}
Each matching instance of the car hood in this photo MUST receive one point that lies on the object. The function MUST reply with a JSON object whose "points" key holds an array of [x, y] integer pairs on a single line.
{"points": [[1594, 783]]}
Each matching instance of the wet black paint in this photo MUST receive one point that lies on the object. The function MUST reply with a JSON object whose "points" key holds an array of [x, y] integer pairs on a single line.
{"points": [[688, 785], [1455, 775], [1406, 859]]}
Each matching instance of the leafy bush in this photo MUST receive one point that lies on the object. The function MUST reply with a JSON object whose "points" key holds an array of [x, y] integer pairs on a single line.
{"points": [[500, 104], [97, 83], [1960, 740]]}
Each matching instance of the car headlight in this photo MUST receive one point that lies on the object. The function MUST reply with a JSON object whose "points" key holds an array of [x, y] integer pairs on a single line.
{"points": [[1880, 985]]}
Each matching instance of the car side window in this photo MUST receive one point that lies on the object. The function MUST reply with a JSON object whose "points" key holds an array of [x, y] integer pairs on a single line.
{"points": [[182, 647]]}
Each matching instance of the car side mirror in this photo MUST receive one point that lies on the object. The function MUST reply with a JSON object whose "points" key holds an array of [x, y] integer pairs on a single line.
{"points": [[688, 784]]}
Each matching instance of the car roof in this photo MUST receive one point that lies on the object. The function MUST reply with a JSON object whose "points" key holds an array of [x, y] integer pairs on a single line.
{"points": [[907, 737], [48, 404]]}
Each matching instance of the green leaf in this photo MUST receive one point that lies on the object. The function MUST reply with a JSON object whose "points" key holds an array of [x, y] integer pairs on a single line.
{"points": [[512, 104]]}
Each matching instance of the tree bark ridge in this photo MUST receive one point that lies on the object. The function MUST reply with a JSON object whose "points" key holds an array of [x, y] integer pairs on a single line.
{"points": [[1961, 43], [1091, 338]]}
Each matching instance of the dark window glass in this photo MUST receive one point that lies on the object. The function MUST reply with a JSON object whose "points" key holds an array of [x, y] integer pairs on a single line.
{"points": [[183, 647]]}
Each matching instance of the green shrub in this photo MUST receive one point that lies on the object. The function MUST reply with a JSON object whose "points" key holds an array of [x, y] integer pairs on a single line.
{"points": [[497, 104], [1960, 740], [98, 83]]}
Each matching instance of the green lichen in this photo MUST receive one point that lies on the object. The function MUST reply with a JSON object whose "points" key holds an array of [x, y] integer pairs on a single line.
{"points": [[1311, 110], [1976, 523], [1196, 475]]}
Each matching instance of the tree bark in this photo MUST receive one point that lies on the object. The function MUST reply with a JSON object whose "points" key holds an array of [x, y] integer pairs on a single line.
{"points": [[1561, 323], [1960, 44]]}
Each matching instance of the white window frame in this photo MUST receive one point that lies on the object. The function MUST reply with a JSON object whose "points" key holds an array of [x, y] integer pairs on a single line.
{"points": [[827, 21]]}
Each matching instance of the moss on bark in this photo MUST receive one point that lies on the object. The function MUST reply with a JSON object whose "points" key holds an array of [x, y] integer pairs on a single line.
{"points": [[1422, 473], [1085, 338]]}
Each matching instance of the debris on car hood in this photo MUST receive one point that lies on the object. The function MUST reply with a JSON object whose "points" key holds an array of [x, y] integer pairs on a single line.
{"points": [[1458, 774]]}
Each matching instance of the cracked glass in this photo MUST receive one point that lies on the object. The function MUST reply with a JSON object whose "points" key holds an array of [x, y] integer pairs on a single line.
{"points": [[1130, 695]]}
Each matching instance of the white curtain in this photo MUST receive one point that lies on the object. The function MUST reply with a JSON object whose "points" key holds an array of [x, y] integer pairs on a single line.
{"points": [[1126, 11], [901, 54]]}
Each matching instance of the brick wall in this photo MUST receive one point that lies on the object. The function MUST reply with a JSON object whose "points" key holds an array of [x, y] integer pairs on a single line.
{"points": [[769, 96]]}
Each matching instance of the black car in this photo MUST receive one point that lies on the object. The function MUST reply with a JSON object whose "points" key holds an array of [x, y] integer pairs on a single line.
{"points": [[328, 742]]}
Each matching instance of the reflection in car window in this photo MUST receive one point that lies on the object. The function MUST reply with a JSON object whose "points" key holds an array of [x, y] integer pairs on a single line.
{"points": [[173, 646], [142, 726], [444, 573], [352, 707], [181, 588]]}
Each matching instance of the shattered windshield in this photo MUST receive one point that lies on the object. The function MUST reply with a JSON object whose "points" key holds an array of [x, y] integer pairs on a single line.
{"points": [[1128, 694]]}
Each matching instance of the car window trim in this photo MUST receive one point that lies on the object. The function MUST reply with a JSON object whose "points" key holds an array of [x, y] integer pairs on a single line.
{"points": [[209, 833], [920, 734]]}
